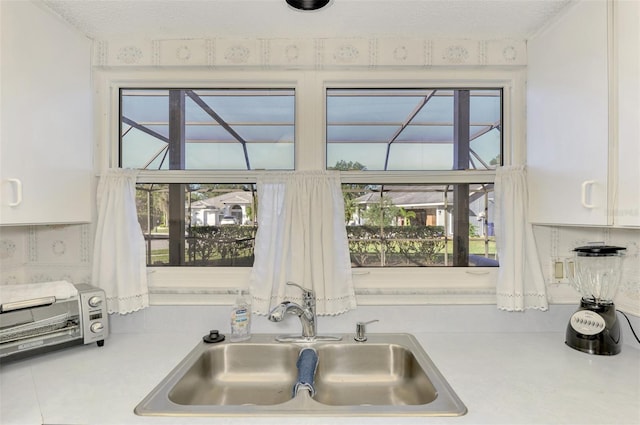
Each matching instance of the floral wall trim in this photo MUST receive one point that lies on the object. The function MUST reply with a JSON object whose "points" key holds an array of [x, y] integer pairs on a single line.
{"points": [[308, 53], [30, 254]]}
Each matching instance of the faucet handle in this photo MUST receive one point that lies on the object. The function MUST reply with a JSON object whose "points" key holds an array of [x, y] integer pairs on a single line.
{"points": [[306, 293]]}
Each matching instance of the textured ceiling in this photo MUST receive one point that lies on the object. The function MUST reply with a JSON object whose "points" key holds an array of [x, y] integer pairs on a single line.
{"points": [[174, 19]]}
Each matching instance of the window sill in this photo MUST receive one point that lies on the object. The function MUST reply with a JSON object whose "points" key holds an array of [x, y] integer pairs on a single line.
{"points": [[419, 286]]}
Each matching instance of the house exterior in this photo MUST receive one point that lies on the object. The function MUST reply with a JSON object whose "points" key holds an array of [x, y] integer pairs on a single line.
{"points": [[212, 211], [432, 206]]}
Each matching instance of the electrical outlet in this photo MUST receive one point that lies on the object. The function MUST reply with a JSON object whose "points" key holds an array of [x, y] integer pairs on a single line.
{"points": [[569, 269], [558, 270], [562, 269]]}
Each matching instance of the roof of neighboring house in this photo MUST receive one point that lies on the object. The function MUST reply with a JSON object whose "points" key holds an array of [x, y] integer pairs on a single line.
{"points": [[219, 202], [417, 197], [407, 199]]}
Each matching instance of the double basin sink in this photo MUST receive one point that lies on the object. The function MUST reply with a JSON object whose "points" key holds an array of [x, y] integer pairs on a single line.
{"points": [[389, 374]]}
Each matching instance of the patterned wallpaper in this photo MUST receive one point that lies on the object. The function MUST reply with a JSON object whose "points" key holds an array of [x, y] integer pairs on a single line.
{"points": [[30, 254], [309, 53], [556, 244]]}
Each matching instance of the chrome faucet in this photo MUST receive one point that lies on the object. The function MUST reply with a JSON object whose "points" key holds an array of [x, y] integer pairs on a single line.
{"points": [[307, 314]]}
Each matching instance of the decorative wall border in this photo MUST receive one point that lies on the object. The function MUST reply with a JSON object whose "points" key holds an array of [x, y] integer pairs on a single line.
{"points": [[327, 53], [43, 253]]}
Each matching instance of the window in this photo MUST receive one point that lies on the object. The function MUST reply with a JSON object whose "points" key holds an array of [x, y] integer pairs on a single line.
{"points": [[203, 224], [380, 130], [414, 129], [224, 129], [218, 221], [367, 129], [416, 187], [393, 225]]}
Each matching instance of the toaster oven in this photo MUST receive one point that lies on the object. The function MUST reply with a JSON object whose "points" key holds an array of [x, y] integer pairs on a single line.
{"points": [[34, 326]]}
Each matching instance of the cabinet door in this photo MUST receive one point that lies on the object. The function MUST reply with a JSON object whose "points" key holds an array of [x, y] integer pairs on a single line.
{"points": [[627, 36], [567, 119], [46, 113]]}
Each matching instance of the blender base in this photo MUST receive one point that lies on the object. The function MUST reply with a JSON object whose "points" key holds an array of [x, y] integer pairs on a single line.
{"points": [[594, 329]]}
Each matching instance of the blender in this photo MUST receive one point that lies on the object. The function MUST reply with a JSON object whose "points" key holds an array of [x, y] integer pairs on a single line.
{"points": [[594, 328]]}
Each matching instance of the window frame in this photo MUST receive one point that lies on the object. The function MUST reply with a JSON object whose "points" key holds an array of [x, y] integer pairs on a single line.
{"points": [[374, 286]]}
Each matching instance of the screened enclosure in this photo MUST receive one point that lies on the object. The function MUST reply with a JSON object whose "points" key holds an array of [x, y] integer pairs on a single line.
{"points": [[369, 130]]}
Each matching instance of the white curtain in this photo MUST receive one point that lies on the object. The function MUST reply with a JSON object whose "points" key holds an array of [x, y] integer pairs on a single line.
{"points": [[520, 281], [119, 265], [301, 238]]}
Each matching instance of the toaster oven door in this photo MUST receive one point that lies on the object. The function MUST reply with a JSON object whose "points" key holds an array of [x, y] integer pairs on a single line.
{"points": [[39, 329]]}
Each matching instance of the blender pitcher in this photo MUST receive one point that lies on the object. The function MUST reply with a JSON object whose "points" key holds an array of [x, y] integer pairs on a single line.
{"points": [[594, 328], [597, 272]]}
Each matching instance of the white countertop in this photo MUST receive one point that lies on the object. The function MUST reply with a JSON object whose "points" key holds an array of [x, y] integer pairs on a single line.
{"points": [[511, 378]]}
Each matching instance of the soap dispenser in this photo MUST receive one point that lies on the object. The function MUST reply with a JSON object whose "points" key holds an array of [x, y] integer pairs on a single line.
{"points": [[240, 319]]}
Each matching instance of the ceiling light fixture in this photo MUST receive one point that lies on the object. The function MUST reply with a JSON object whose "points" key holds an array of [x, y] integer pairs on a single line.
{"points": [[307, 4]]}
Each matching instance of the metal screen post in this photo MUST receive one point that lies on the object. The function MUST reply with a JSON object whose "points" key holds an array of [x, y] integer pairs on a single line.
{"points": [[461, 112], [176, 190]]}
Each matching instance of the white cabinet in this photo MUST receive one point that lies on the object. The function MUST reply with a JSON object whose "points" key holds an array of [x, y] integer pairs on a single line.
{"points": [[582, 118], [627, 72], [45, 118], [567, 119]]}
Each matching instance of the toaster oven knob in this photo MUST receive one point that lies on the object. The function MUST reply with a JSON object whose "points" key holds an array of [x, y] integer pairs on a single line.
{"points": [[95, 301], [97, 327]]}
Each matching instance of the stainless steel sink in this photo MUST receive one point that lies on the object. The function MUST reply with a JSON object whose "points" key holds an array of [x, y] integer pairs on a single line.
{"points": [[371, 374], [237, 374], [388, 375]]}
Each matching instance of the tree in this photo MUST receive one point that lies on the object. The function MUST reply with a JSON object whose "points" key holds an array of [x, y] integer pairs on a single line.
{"points": [[406, 215], [381, 213], [152, 201], [343, 165], [350, 191], [385, 213]]}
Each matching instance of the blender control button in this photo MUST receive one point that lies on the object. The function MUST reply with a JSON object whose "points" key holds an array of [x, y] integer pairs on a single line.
{"points": [[587, 322]]}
